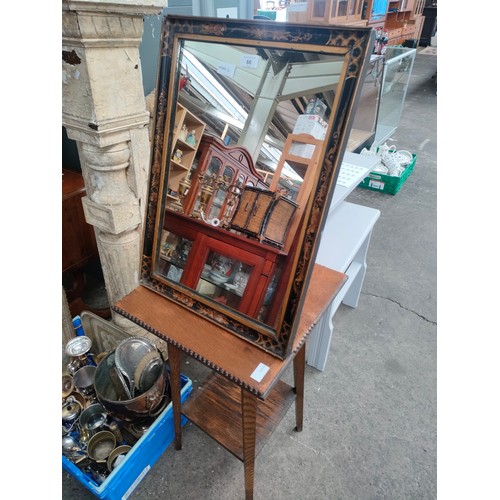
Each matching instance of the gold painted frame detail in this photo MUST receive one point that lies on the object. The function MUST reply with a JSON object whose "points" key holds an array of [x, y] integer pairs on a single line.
{"points": [[354, 45]]}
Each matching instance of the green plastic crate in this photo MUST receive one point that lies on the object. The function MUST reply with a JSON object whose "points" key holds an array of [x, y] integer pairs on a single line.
{"points": [[387, 183]]}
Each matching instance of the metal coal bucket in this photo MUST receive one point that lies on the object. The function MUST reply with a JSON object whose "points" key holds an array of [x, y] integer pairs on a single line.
{"points": [[112, 394]]}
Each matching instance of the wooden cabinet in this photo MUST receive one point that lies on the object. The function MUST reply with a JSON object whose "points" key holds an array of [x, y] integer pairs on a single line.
{"points": [[188, 131], [221, 171], [220, 265], [78, 237], [81, 269], [336, 12], [403, 20], [400, 19], [265, 215]]}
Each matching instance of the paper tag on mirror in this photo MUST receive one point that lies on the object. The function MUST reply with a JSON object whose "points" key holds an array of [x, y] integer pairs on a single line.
{"points": [[226, 69], [249, 61], [259, 372]]}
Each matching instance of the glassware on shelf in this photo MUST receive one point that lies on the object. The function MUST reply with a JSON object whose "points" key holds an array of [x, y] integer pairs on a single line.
{"points": [[174, 251], [224, 279], [174, 273], [240, 281]]}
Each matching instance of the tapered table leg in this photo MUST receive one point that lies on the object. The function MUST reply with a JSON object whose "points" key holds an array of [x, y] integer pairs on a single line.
{"points": [[249, 418], [174, 356], [299, 362]]}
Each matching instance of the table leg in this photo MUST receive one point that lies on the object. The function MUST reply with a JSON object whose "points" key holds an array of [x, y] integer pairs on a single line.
{"points": [[299, 362], [174, 357], [249, 419]]}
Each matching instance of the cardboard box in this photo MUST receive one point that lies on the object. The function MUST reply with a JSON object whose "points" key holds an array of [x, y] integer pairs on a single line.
{"points": [[311, 124]]}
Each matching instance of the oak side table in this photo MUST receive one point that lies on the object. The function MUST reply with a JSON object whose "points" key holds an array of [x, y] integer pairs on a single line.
{"points": [[242, 400]]}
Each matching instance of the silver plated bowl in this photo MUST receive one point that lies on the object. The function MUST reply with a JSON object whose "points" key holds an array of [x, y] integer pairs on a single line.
{"points": [[78, 346], [128, 356]]}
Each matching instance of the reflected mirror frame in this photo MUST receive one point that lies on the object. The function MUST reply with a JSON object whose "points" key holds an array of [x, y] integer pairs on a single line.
{"points": [[355, 45]]}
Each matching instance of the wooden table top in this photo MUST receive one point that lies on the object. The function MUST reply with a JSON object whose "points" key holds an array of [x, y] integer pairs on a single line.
{"points": [[225, 352]]}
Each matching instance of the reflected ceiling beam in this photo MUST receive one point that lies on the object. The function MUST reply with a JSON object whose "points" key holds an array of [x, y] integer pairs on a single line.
{"points": [[274, 79], [311, 78], [227, 60], [307, 77], [294, 80], [208, 87], [202, 108], [207, 112], [262, 111]]}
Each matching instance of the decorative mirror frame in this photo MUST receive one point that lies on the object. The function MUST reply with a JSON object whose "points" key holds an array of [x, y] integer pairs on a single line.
{"points": [[355, 45]]}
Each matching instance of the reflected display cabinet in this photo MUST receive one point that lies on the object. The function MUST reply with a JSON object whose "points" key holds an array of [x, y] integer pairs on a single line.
{"points": [[234, 271], [217, 179]]}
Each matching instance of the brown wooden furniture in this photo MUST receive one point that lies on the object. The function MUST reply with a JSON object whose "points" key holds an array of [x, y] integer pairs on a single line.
{"points": [[79, 247], [220, 167], [78, 238], [404, 20], [302, 152], [236, 410], [336, 12], [206, 243]]}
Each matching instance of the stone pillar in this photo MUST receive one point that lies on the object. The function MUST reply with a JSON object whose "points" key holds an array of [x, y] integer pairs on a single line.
{"points": [[104, 111]]}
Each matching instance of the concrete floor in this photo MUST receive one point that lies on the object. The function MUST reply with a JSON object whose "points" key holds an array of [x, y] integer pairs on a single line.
{"points": [[370, 417]]}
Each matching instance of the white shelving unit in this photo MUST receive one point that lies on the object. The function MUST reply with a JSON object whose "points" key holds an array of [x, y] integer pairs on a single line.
{"points": [[343, 247]]}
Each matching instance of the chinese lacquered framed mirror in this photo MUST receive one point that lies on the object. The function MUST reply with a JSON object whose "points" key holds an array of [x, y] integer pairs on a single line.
{"points": [[251, 122]]}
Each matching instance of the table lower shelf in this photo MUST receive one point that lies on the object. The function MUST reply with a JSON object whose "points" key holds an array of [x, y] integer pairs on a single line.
{"points": [[216, 409]]}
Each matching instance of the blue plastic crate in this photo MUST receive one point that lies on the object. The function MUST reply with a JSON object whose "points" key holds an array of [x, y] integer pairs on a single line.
{"points": [[138, 461]]}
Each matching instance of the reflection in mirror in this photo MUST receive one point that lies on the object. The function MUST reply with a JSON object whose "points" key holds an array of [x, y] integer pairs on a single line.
{"points": [[243, 173], [250, 125]]}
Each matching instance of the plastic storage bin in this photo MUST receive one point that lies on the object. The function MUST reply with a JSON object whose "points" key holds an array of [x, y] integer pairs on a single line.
{"points": [[387, 183], [138, 461]]}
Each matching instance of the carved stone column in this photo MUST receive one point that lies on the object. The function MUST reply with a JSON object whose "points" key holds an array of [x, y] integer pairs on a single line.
{"points": [[104, 111]]}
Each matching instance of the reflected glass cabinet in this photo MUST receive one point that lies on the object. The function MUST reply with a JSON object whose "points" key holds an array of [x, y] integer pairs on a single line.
{"points": [[217, 179], [222, 266]]}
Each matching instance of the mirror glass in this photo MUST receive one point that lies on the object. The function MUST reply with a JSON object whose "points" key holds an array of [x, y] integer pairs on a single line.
{"points": [[248, 139]]}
